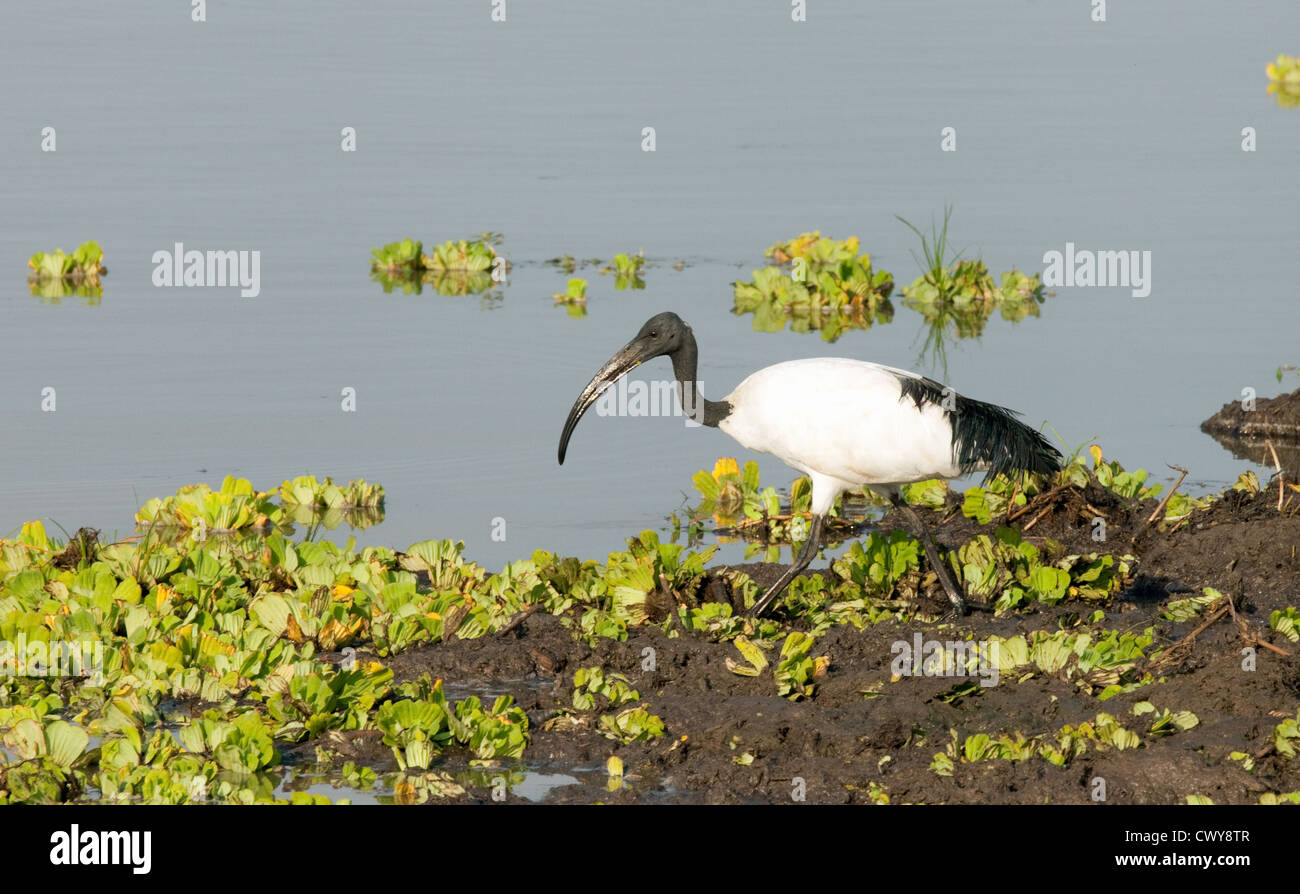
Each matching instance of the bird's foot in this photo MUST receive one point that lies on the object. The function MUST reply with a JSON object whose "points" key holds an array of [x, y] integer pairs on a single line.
{"points": [[956, 612], [961, 608]]}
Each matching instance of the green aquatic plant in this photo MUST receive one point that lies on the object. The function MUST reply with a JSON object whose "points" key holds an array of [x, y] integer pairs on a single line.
{"points": [[734, 498], [1285, 735], [880, 562], [1284, 81], [56, 275], [1284, 621], [455, 267], [460, 255], [418, 729], [1166, 722], [397, 258], [632, 725], [627, 270], [307, 501], [592, 685], [236, 505], [574, 297], [1182, 610], [87, 262], [956, 296], [1060, 748], [755, 661], [830, 288], [797, 673], [243, 745]]}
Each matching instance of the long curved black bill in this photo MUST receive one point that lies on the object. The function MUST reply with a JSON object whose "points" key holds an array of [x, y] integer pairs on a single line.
{"points": [[618, 366]]}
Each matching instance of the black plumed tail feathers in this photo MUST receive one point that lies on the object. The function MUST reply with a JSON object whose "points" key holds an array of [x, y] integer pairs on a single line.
{"points": [[986, 435]]}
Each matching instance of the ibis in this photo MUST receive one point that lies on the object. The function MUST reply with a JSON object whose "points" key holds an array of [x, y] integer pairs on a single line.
{"points": [[845, 424]]}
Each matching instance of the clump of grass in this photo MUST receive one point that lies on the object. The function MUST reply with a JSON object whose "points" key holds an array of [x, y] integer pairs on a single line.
{"points": [[959, 293]]}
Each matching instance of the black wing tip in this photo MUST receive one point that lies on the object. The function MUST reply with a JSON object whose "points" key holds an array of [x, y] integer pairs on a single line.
{"points": [[985, 433]]}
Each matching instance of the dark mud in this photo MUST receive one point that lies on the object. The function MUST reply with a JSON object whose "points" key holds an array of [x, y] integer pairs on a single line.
{"points": [[732, 739]]}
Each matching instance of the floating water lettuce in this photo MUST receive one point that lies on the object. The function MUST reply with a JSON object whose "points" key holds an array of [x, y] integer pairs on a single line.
{"points": [[964, 295], [797, 672], [456, 267], [574, 297], [56, 275], [736, 499], [593, 688], [627, 270], [234, 506], [195, 511], [306, 501], [830, 288], [956, 296], [632, 725], [1284, 81], [398, 258]]}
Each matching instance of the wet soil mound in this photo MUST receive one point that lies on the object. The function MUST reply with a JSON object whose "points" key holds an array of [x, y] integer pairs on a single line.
{"points": [[1246, 432]]}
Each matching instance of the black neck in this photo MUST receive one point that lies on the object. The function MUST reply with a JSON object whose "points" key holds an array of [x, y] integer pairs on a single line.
{"points": [[697, 406]]}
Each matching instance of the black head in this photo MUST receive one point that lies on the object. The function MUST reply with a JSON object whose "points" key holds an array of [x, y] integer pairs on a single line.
{"points": [[662, 334]]}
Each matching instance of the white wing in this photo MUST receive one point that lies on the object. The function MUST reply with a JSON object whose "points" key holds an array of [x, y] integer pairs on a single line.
{"points": [[842, 419]]}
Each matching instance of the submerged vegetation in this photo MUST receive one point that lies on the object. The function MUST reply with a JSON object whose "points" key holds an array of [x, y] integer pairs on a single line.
{"points": [[830, 287], [56, 275], [457, 267], [1284, 81]]}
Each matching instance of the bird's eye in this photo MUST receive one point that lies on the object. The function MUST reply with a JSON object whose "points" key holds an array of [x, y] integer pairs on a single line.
{"points": [[654, 333]]}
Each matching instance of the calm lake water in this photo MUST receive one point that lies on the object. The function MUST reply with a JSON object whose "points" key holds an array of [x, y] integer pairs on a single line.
{"points": [[1124, 135]]}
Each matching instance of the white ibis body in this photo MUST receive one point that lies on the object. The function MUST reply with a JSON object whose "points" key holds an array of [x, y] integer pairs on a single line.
{"points": [[845, 424]]}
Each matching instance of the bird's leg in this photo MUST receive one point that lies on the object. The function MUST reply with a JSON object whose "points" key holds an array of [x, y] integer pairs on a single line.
{"points": [[805, 558], [932, 553]]}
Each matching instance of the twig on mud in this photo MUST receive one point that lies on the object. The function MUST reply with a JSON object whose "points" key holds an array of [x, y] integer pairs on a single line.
{"points": [[519, 619], [1184, 644], [1160, 507], [1253, 639], [1035, 520], [1011, 504], [1280, 474], [1045, 497], [1256, 641]]}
